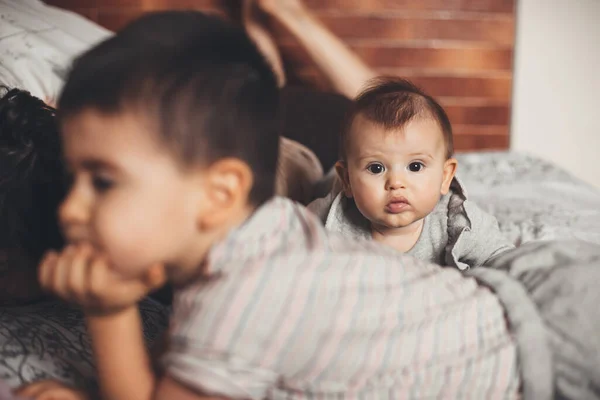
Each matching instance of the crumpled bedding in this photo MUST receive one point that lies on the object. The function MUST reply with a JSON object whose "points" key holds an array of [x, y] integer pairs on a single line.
{"points": [[49, 340], [549, 290], [532, 199], [38, 43]]}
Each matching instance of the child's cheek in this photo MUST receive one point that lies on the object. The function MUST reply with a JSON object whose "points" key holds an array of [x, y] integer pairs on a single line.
{"points": [[116, 233]]}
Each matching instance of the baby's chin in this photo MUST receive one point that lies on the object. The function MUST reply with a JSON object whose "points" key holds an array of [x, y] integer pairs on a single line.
{"points": [[395, 223]]}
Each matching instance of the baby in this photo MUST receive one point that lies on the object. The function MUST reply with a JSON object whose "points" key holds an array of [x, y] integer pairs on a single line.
{"points": [[173, 153], [397, 181]]}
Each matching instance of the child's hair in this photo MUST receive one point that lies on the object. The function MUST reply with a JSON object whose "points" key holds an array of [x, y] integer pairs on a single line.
{"points": [[32, 180], [199, 81], [393, 103]]}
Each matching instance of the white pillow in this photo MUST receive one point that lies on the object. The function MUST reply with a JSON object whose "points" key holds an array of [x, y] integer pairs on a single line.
{"points": [[38, 43]]}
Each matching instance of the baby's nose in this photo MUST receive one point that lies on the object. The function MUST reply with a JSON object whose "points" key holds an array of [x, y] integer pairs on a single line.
{"points": [[395, 180]]}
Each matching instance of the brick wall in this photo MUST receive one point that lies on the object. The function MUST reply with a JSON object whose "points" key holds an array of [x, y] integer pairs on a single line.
{"points": [[460, 51]]}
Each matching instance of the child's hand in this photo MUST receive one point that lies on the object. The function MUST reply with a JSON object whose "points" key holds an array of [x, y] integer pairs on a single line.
{"points": [[50, 390], [81, 276]]}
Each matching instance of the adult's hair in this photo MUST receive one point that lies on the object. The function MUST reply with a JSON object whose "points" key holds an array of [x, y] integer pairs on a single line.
{"points": [[32, 179]]}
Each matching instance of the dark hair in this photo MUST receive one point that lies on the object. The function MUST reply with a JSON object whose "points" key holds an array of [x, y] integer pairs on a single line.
{"points": [[393, 103], [200, 80], [32, 182]]}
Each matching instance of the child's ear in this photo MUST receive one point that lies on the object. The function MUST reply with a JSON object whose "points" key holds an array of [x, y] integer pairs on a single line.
{"points": [[449, 172], [227, 186], [342, 171]]}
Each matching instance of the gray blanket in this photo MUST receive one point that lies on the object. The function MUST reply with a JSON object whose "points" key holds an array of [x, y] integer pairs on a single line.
{"points": [[551, 293], [532, 199], [49, 340]]}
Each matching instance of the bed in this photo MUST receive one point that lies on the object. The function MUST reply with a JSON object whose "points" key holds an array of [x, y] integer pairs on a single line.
{"points": [[49, 340], [532, 199]]}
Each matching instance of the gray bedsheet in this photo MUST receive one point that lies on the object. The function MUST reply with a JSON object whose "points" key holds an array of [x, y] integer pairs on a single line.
{"points": [[531, 198], [49, 340], [550, 292]]}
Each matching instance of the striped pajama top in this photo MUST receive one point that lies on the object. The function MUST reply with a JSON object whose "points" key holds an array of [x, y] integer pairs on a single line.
{"points": [[290, 311]]}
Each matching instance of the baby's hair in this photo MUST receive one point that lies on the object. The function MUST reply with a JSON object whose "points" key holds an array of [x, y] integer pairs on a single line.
{"points": [[32, 179], [206, 90], [393, 103]]}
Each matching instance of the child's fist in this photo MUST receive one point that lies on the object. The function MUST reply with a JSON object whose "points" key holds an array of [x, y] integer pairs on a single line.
{"points": [[79, 275], [50, 390]]}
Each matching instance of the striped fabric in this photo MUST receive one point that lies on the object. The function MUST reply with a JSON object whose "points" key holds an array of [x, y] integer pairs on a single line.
{"points": [[289, 311]]}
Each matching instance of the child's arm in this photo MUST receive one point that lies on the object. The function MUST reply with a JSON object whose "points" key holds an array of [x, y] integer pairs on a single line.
{"points": [[263, 40], [124, 367], [110, 304]]}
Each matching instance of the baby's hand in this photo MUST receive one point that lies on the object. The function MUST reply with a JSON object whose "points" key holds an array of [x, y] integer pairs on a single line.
{"points": [[50, 390], [79, 275]]}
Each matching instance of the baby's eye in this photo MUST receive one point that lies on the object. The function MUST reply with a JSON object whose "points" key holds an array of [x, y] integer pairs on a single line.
{"points": [[416, 166], [376, 168]]}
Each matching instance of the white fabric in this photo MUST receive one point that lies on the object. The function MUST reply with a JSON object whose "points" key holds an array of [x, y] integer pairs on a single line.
{"points": [[38, 43]]}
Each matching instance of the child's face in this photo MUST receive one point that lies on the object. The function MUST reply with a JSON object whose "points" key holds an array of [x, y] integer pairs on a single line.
{"points": [[396, 177], [129, 198]]}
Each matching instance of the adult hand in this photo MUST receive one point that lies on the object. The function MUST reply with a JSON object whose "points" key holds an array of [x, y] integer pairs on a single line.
{"points": [[276, 7]]}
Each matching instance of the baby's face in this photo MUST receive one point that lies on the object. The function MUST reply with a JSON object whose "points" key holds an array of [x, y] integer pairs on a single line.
{"points": [[128, 198], [396, 177]]}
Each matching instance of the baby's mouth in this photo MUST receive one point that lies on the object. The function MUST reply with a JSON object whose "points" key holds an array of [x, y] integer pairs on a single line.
{"points": [[397, 205]]}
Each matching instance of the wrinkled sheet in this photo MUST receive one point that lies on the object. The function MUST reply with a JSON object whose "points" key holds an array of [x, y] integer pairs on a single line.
{"points": [[531, 198], [49, 340], [550, 293]]}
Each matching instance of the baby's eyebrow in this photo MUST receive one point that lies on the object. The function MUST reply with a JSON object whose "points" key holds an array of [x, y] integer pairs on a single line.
{"points": [[426, 155], [372, 155]]}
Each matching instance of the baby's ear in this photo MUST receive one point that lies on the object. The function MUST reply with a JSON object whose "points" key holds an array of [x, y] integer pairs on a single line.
{"points": [[449, 172], [342, 171]]}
